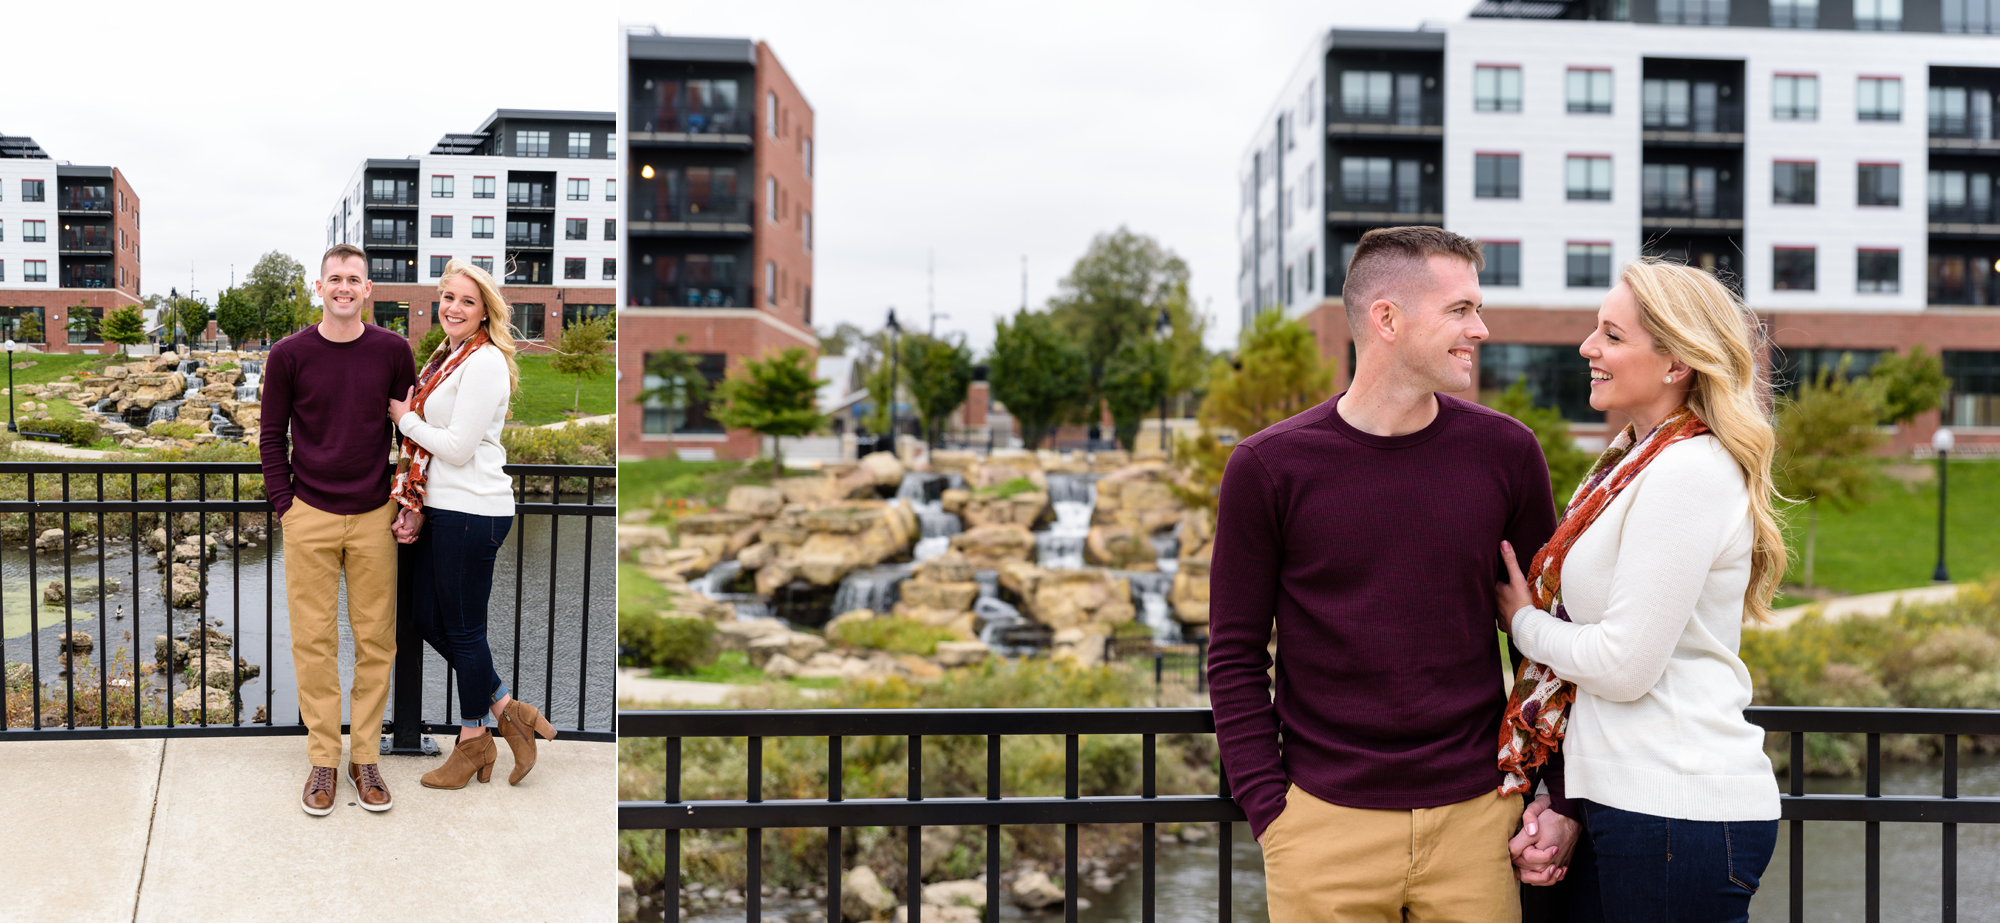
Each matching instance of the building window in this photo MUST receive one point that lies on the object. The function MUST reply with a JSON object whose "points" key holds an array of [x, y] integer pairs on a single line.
{"points": [[1974, 399], [806, 229], [1364, 180], [1496, 89], [3, 231], [484, 263], [1555, 374], [440, 225], [482, 228], [1792, 183], [1503, 262], [579, 144], [1588, 178], [1694, 12], [35, 271], [576, 229], [1793, 268], [573, 267], [1878, 270], [531, 144], [610, 229], [528, 319], [34, 232], [610, 268], [1796, 14], [771, 113], [437, 265], [1494, 176], [1956, 196], [806, 155], [1971, 17], [1365, 94], [1795, 97], [611, 190], [1589, 90], [441, 187], [32, 190], [770, 282], [1879, 184], [1878, 15], [1589, 265], [3, 270], [771, 197], [670, 411], [482, 187], [579, 190], [1879, 99]]}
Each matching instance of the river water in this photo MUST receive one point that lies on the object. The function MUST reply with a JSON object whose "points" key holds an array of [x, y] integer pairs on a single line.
{"points": [[132, 623]]}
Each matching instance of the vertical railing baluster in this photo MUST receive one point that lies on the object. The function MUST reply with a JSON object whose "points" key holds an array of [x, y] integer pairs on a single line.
{"points": [[753, 853], [138, 718], [236, 599], [103, 627], [1069, 830], [1224, 892], [1797, 884], [520, 537], [992, 830], [35, 614], [549, 647], [1871, 910], [270, 609], [672, 886], [914, 884], [1149, 832], [835, 771], [1948, 863], [201, 580], [583, 644], [69, 617]]}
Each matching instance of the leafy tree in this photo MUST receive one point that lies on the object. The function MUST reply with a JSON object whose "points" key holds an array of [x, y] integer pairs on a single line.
{"points": [[276, 289], [939, 375], [126, 326], [236, 315], [427, 344], [881, 393], [1135, 382], [844, 337], [580, 353], [1567, 463], [681, 382], [1276, 374], [1908, 384], [82, 322], [776, 396], [1826, 430], [30, 329], [188, 316], [1038, 372], [1115, 292]]}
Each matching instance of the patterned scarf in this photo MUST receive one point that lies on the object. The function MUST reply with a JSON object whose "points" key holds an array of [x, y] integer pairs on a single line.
{"points": [[1538, 707], [412, 467]]}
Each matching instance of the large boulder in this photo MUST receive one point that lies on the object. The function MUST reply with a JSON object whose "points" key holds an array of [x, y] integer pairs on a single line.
{"points": [[826, 557], [999, 470], [738, 634], [719, 523], [1082, 645], [987, 546], [929, 595], [1190, 598], [775, 574], [948, 461], [797, 645], [631, 538], [1022, 509], [809, 490], [784, 536], [1069, 598], [679, 562], [760, 502], [961, 654], [883, 468], [862, 896], [1031, 891], [1139, 497], [1117, 546], [1020, 578]]}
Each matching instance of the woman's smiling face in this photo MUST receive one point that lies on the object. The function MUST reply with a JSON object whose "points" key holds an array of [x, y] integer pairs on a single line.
{"points": [[460, 309], [1627, 371]]}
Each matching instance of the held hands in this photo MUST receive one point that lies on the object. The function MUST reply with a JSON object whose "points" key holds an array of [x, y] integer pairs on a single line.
{"points": [[1542, 848], [408, 523], [1513, 594], [398, 408]]}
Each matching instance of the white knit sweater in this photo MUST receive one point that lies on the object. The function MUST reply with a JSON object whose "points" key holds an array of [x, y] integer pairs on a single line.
{"points": [[1654, 589], [460, 427]]}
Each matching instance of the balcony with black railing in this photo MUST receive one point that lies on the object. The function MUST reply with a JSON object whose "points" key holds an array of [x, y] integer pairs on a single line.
{"points": [[682, 207], [92, 200], [701, 123], [1986, 212], [646, 292], [85, 241], [404, 195], [530, 234], [396, 271], [530, 268], [87, 276], [398, 238], [530, 195], [1399, 115]]}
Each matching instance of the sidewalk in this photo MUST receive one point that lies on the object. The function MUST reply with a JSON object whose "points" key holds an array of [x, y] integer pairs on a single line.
{"points": [[1872, 605], [581, 421], [210, 829]]}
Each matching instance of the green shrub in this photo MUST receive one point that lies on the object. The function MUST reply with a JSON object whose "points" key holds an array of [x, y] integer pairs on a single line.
{"points": [[1008, 488], [588, 444], [78, 432], [677, 645], [173, 429], [894, 634]]}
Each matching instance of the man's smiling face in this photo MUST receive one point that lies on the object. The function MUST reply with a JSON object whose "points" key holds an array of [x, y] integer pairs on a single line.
{"points": [[343, 287]]}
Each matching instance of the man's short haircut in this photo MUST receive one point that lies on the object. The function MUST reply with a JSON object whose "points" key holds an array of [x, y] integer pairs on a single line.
{"points": [[1386, 261], [341, 251]]}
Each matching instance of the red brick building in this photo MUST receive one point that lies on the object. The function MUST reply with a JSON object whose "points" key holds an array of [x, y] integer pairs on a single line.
{"points": [[69, 248], [719, 227]]}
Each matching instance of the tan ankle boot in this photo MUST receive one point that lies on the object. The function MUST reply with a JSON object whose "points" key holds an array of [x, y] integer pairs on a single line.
{"points": [[468, 758], [519, 723]]}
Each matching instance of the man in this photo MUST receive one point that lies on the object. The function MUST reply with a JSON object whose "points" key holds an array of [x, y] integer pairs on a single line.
{"points": [[325, 446], [1368, 531]]}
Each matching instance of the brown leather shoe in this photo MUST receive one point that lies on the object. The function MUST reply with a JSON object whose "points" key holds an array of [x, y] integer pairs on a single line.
{"points": [[368, 784], [318, 797], [468, 758], [519, 722]]}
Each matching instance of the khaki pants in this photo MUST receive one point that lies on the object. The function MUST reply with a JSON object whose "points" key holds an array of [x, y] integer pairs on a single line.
{"points": [[1324, 863], [318, 547]]}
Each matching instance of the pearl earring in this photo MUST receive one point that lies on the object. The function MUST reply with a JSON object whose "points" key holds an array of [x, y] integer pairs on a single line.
{"points": [[1668, 380]]}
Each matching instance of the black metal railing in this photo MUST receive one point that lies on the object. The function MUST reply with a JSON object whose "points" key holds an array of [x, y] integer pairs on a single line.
{"points": [[1669, 206], [404, 195], [1377, 114], [75, 242], [710, 209], [401, 273], [530, 196], [1722, 118], [407, 238], [86, 277], [753, 814], [692, 121], [652, 293], [74, 202], [181, 502], [1982, 213]]}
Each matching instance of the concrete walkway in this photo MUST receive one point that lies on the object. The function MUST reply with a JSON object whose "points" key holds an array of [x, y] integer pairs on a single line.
{"points": [[1872, 605], [601, 418], [61, 451], [637, 687], [210, 829]]}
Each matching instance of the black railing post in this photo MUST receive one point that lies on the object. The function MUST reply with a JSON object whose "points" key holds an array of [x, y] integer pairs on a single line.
{"points": [[407, 724]]}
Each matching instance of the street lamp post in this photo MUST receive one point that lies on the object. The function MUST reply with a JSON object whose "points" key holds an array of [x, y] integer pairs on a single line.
{"points": [[10, 347], [895, 330], [1165, 331], [1941, 441]]}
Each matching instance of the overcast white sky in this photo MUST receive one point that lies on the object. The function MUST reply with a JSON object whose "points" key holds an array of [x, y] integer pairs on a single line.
{"points": [[239, 124], [989, 131]]}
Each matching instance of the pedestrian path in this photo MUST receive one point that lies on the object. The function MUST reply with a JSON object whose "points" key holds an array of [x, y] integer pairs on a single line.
{"points": [[61, 451], [581, 421], [1871, 605]]}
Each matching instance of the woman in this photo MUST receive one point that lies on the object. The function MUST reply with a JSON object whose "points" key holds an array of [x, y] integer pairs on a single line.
{"points": [[1639, 599], [458, 505]]}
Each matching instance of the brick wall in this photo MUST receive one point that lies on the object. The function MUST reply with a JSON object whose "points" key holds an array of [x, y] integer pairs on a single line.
{"points": [[736, 333], [780, 156], [125, 258]]}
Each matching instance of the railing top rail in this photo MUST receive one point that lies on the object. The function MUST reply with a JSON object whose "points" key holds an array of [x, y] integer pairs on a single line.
{"points": [[90, 467], [1875, 720], [915, 721]]}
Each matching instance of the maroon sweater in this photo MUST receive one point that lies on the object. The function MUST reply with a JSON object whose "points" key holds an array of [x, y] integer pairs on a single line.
{"points": [[1375, 558], [325, 426]]}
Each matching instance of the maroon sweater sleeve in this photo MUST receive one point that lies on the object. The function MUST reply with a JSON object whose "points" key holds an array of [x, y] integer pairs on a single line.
{"points": [[1249, 550], [274, 429], [1533, 522]]}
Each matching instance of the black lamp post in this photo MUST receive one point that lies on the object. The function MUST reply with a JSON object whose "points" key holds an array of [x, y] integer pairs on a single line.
{"points": [[1941, 441], [10, 385], [1165, 331], [895, 330]]}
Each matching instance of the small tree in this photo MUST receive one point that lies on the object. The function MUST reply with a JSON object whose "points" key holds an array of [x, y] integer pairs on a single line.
{"points": [[580, 352], [776, 396], [189, 316], [1826, 430], [940, 375], [427, 344], [81, 323], [1567, 463], [681, 382], [1276, 374], [1134, 383], [30, 330], [1038, 373], [125, 327], [1908, 384], [236, 315]]}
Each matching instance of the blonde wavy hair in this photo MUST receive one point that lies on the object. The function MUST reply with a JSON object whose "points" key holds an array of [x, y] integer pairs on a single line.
{"points": [[1693, 317], [499, 316]]}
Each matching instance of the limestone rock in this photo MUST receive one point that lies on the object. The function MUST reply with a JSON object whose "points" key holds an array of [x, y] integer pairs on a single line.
{"points": [[51, 539], [161, 660], [967, 893], [846, 518], [187, 705], [951, 461], [760, 502], [1034, 891], [1082, 645], [810, 490], [953, 596], [954, 500], [862, 896], [950, 567], [1117, 546], [1190, 598], [938, 913], [776, 573], [1070, 598], [628, 898], [715, 546], [1137, 496], [797, 645], [987, 546], [722, 523], [631, 538], [961, 654], [857, 615], [1196, 560], [54, 594], [682, 562], [755, 556], [779, 666], [883, 468], [783, 535], [737, 634]]}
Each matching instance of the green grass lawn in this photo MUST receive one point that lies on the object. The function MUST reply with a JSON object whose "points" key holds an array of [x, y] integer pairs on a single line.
{"points": [[1891, 543], [546, 396], [641, 483]]}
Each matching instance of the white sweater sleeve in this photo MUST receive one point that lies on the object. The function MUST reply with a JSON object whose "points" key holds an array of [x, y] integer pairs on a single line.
{"points": [[482, 388], [1686, 507]]}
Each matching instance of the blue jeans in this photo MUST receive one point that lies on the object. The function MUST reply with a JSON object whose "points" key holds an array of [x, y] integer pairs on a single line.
{"points": [[1648, 869], [454, 558]]}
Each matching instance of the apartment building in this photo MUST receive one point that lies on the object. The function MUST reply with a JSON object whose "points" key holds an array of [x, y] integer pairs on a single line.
{"points": [[69, 248], [719, 227], [530, 196], [1835, 162]]}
